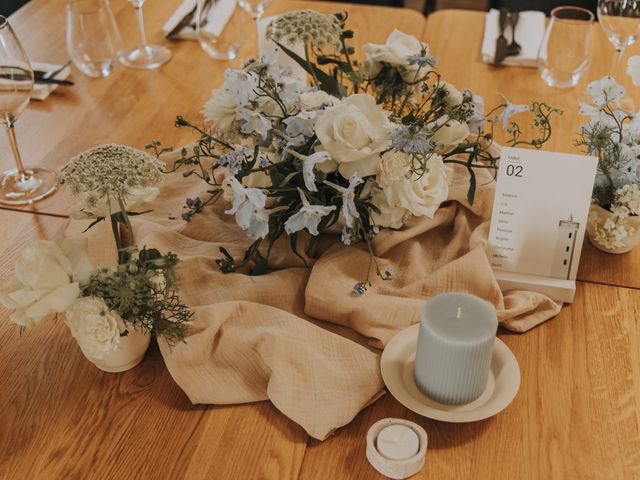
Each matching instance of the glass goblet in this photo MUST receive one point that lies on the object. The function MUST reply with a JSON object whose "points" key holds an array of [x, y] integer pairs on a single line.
{"points": [[20, 185], [145, 56]]}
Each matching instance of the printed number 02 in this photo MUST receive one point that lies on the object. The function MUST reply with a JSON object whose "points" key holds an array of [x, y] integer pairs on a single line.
{"points": [[514, 170]]}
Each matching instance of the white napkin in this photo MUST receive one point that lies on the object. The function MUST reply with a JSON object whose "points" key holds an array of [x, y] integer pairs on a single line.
{"points": [[42, 90], [529, 33], [218, 16]]}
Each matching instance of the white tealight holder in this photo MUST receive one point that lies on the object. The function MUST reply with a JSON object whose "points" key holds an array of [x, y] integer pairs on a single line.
{"points": [[396, 448]]}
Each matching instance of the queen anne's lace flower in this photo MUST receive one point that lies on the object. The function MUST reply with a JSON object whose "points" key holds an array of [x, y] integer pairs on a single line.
{"points": [[306, 26], [110, 170]]}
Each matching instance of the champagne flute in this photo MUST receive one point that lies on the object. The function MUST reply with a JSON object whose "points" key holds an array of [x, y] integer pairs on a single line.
{"points": [[21, 185], [620, 21], [145, 56], [256, 9]]}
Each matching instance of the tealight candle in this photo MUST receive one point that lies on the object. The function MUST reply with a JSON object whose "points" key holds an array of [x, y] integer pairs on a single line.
{"points": [[397, 442], [396, 447], [455, 345]]}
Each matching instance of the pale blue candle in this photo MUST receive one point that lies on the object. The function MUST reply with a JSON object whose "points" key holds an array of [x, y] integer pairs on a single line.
{"points": [[455, 343]]}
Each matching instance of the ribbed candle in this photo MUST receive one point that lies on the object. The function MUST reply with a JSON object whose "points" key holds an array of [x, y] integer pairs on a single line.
{"points": [[455, 343]]}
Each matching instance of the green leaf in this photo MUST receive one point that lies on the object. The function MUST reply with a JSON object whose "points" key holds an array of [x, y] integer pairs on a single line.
{"points": [[472, 187], [327, 83], [95, 222], [293, 240]]}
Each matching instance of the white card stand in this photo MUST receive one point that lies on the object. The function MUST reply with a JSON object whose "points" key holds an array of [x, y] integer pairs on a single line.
{"points": [[539, 220]]}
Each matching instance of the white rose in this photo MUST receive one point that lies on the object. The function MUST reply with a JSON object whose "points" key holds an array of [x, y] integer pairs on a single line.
{"points": [[448, 133], [104, 206], [454, 96], [314, 100], [396, 51], [47, 280], [633, 69], [96, 328], [355, 133], [221, 109], [421, 196], [389, 216]]}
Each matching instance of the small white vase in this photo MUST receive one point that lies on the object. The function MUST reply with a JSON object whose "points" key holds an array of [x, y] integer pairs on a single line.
{"points": [[129, 353], [597, 217]]}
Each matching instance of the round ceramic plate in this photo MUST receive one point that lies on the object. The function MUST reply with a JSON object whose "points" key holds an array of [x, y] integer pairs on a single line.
{"points": [[397, 362]]}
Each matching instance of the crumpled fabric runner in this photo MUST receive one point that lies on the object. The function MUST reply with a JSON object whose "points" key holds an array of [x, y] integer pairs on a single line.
{"points": [[299, 337]]}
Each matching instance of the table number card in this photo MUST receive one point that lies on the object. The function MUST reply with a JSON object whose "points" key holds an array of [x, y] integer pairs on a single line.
{"points": [[539, 218]]}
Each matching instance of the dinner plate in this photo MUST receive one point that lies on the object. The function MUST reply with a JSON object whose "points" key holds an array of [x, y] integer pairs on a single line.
{"points": [[397, 363]]}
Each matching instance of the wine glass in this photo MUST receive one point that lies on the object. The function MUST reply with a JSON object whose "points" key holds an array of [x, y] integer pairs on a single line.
{"points": [[93, 38], [256, 9], [620, 21], [20, 185], [145, 56], [220, 28], [563, 57]]}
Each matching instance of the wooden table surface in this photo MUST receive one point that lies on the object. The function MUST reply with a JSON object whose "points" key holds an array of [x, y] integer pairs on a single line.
{"points": [[577, 412]]}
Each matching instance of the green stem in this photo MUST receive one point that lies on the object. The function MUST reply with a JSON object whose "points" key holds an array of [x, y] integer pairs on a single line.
{"points": [[116, 237], [125, 216], [313, 73]]}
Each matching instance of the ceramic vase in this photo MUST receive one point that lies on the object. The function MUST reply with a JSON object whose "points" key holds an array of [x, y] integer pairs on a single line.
{"points": [[129, 353], [598, 216]]}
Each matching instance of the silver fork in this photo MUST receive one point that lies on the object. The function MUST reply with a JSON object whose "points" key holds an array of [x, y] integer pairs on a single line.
{"points": [[514, 47]]}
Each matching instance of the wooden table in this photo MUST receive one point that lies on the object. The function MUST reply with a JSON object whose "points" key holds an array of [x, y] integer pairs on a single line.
{"points": [[576, 415]]}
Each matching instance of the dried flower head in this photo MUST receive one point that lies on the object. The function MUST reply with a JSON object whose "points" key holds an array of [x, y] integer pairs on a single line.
{"points": [[110, 170], [306, 26]]}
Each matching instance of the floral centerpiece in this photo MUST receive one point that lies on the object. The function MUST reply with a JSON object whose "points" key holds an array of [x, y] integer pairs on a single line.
{"points": [[102, 306], [613, 135], [364, 146]]}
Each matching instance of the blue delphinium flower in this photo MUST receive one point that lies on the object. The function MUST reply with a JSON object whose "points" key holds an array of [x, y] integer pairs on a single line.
{"points": [[423, 60], [409, 139], [233, 160], [359, 289]]}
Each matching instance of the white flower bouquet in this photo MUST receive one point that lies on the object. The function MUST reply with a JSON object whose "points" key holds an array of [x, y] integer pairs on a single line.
{"points": [[613, 135], [101, 304], [364, 146]]}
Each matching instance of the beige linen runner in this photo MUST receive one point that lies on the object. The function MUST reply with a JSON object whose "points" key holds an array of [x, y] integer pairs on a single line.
{"points": [[299, 337]]}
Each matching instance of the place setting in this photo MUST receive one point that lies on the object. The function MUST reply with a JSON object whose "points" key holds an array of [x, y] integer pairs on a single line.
{"points": [[343, 221]]}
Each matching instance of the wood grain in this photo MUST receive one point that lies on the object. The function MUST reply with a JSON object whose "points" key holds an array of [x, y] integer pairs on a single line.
{"points": [[461, 64], [134, 107], [60, 417], [576, 416]]}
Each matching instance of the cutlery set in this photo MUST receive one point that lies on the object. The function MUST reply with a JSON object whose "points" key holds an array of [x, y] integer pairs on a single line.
{"points": [[42, 77], [506, 19]]}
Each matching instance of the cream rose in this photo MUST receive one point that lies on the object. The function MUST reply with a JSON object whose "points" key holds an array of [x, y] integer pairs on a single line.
{"points": [[396, 51], [47, 280], [419, 195], [103, 207], [389, 216], [314, 100], [454, 96], [96, 328], [355, 133], [448, 133], [220, 109]]}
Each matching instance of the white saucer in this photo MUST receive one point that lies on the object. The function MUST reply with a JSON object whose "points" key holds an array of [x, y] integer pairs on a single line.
{"points": [[397, 362]]}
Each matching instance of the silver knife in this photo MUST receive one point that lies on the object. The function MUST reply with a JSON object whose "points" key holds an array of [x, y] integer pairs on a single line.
{"points": [[501, 43]]}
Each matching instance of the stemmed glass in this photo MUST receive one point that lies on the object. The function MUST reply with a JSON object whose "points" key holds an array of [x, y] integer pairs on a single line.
{"points": [[145, 56], [620, 21], [21, 185], [256, 9]]}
